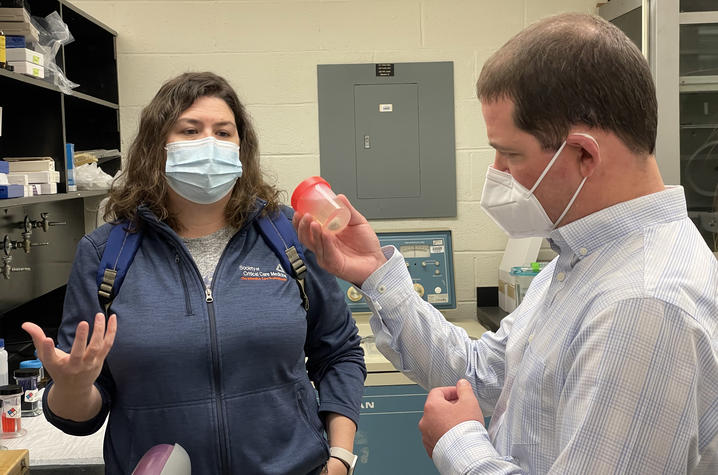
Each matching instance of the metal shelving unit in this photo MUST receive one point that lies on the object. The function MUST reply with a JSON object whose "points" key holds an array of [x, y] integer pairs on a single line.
{"points": [[39, 119]]}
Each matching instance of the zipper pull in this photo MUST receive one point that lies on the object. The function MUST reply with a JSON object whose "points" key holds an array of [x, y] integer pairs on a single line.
{"points": [[208, 295]]}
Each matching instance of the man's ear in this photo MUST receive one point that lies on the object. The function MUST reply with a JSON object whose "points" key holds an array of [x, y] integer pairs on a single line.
{"points": [[590, 151]]}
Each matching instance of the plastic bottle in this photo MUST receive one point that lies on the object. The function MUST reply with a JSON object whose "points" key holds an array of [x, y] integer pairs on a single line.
{"points": [[3, 363]]}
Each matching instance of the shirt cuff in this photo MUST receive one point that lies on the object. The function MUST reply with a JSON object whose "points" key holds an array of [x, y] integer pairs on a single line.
{"points": [[378, 275], [387, 286], [462, 447]]}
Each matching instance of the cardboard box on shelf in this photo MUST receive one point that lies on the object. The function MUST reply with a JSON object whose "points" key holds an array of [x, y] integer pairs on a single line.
{"points": [[20, 28], [44, 188], [15, 41], [23, 67], [11, 191], [39, 177], [32, 166], [25, 54], [17, 179], [14, 14]]}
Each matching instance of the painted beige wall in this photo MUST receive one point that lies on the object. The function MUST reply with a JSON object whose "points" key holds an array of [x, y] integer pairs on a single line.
{"points": [[269, 51]]}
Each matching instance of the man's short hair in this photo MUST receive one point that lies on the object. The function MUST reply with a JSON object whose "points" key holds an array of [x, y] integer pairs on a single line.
{"points": [[573, 69]]}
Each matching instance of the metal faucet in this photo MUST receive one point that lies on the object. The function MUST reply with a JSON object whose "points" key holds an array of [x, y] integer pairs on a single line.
{"points": [[7, 267]]}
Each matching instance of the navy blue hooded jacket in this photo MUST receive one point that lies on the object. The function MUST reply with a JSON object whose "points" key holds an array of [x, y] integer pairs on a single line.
{"points": [[226, 378]]}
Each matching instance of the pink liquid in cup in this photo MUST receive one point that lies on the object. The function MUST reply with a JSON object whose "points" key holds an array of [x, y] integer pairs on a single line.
{"points": [[314, 196]]}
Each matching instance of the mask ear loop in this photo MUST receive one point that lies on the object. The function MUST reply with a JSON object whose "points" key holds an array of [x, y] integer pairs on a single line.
{"points": [[575, 195], [568, 206], [548, 167]]}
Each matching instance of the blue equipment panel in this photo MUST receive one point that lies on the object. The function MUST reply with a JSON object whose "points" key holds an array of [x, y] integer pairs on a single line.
{"points": [[388, 440], [429, 258]]}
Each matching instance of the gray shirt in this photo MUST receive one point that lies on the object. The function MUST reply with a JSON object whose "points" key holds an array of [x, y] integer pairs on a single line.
{"points": [[207, 250]]}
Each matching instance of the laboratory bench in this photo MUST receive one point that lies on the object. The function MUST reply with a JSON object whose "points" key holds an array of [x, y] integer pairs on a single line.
{"points": [[54, 452]]}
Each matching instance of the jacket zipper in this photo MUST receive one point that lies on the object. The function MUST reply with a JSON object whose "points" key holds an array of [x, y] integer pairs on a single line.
{"points": [[209, 299], [217, 377], [218, 381]]}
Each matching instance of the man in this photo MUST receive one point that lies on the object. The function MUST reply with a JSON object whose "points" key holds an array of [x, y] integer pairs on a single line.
{"points": [[610, 364]]}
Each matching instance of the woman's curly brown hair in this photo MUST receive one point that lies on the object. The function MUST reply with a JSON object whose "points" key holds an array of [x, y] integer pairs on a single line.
{"points": [[144, 172]]}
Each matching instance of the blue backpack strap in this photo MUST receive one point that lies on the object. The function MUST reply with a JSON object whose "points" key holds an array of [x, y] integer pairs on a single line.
{"points": [[119, 252], [279, 233]]}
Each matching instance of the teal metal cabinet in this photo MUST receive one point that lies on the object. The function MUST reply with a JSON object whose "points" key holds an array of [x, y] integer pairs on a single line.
{"points": [[388, 440]]}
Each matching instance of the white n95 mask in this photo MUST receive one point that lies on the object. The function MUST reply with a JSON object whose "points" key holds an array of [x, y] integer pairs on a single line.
{"points": [[515, 209], [202, 171]]}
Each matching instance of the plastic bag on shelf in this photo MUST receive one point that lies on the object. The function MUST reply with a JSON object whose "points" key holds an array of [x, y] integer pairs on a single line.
{"points": [[91, 177], [53, 34]]}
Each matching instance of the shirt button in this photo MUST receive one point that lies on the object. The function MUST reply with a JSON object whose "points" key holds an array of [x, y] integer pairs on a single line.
{"points": [[560, 276], [531, 337], [583, 251], [381, 289]]}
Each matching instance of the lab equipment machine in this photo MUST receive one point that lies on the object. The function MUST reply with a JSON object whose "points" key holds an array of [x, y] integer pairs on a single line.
{"points": [[429, 258], [388, 440]]}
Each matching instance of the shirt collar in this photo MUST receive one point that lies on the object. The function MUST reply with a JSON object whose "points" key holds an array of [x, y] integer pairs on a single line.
{"points": [[585, 235]]}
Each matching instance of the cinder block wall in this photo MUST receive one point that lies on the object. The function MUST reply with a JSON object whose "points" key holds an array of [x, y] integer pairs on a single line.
{"points": [[269, 50]]}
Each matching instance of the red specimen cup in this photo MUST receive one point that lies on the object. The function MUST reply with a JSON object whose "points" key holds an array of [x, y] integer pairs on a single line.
{"points": [[314, 196]]}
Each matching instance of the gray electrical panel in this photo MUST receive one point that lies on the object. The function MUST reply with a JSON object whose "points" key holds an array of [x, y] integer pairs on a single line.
{"points": [[386, 137]]}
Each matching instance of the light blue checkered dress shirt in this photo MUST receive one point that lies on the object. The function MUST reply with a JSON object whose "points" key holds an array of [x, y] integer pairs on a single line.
{"points": [[609, 365]]}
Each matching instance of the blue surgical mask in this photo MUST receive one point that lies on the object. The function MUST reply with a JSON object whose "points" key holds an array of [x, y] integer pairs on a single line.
{"points": [[202, 171]]}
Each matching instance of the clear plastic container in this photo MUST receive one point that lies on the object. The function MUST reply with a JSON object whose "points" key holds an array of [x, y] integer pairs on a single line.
{"points": [[3, 363], [523, 275], [10, 396], [27, 379], [314, 196]]}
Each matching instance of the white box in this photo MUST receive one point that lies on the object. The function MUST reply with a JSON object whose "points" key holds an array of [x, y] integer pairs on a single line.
{"points": [[39, 177], [20, 28], [44, 188], [17, 179], [27, 191], [25, 54], [14, 14], [23, 67], [33, 166]]}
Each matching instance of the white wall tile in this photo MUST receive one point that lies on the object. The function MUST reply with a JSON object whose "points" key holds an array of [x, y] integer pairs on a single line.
{"points": [[536, 9], [486, 265], [286, 129], [469, 124], [478, 23], [370, 24]]}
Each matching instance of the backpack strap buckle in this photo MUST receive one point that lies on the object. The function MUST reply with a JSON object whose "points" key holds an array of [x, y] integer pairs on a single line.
{"points": [[300, 269]]}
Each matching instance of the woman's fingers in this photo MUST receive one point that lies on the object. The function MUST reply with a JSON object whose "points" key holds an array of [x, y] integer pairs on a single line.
{"points": [[97, 339], [44, 345], [103, 336], [77, 352], [110, 335]]}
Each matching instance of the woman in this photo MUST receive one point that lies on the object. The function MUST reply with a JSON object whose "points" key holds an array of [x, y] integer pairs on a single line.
{"points": [[197, 354]]}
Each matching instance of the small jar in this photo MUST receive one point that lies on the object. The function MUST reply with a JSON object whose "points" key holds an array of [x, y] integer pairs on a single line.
{"points": [[10, 396], [41, 381], [27, 378], [314, 196]]}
